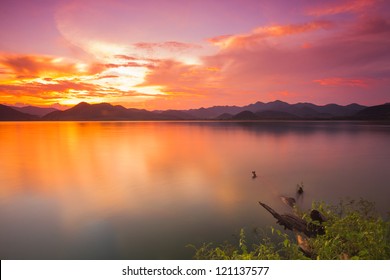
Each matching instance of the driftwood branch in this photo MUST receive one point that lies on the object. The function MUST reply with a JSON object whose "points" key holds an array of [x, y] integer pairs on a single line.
{"points": [[294, 223]]}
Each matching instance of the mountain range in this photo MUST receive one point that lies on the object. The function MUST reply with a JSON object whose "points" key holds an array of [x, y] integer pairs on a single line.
{"points": [[276, 110], [7, 113], [35, 111]]}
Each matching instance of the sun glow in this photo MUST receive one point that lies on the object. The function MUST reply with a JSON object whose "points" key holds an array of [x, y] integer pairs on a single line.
{"points": [[76, 100], [104, 50], [82, 67], [122, 78], [152, 90], [199, 56]]}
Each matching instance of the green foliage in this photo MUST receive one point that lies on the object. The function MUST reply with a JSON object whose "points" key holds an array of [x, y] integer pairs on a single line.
{"points": [[353, 231], [280, 247]]}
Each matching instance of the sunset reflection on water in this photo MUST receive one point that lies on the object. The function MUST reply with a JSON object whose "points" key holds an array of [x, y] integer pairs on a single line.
{"points": [[146, 189]]}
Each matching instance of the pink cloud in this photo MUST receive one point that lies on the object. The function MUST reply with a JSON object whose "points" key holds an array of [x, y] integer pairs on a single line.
{"points": [[261, 33], [337, 81], [264, 70], [335, 51], [169, 45], [372, 26], [177, 77], [340, 7], [125, 57]]}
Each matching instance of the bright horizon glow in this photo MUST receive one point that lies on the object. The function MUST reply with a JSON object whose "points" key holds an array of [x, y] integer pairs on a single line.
{"points": [[176, 55]]}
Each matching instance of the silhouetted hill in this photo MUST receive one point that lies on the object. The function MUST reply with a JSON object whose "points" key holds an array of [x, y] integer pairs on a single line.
{"points": [[255, 107], [276, 110], [276, 105], [279, 110], [213, 112], [175, 115], [301, 110], [340, 111], [98, 112], [276, 115], [380, 112], [245, 115], [7, 113], [36, 111], [309, 110], [224, 116], [264, 115]]}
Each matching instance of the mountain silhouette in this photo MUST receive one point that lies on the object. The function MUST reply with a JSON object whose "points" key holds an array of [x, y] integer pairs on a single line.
{"points": [[245, 115], [276, 115], [7, 113], [298, 110], [213, 112], [35, 111], [100, 112], [276, 110], [175, 115], [224, 116], [380, 112]]}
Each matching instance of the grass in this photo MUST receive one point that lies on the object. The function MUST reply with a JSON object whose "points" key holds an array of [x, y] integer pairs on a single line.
{"points": [[353, 230]]}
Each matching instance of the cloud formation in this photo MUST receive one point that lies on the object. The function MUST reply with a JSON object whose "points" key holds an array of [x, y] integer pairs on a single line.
{"points": [[261, 33], [322, 52], [47, 79], [349, 60], [170, 45], [337, 81], [341, 7]]}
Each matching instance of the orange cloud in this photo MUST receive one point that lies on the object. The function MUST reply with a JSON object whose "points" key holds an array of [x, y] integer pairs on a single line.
{"points": [[306, 46], [47, 90], [341, 7], [337, 81], [38, 79], [189, 86], [283, 30], [260, 33], [170, 45], [44, 66], [177, 77]]}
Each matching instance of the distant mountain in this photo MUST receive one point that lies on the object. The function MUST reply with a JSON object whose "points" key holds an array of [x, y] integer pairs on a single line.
{"points": [[276, 115], [279, 110], [175, 115], [213, 112], [245, 115], [224, 116], [276, 110], [216, 111], [36, 111], [7, 113], [300, 110], [380, 112], [276, 105], [308, 110], [340, 111], [99, 112]]}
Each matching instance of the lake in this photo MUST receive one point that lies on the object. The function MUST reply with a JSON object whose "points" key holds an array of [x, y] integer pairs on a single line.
{"points": [[144, 190]]}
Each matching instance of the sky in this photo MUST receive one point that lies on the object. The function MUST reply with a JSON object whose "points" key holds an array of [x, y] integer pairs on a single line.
{"points": [[174, 54]]}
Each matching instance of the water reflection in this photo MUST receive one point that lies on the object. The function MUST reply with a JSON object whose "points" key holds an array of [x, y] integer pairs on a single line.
{"points": [[140, 190]]}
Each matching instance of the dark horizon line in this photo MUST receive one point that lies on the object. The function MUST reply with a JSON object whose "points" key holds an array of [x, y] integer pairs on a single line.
{"points": [[276, 100]]}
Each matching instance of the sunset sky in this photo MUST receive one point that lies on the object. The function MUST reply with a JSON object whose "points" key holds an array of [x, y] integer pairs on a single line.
{"points": [[175, 54]]}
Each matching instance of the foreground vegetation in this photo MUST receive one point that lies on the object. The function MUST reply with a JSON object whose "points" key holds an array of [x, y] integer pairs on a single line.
{"points": [[353, 230]]}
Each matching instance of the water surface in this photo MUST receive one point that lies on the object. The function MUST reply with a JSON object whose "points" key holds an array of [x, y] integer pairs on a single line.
{"points": [[144, 190]]}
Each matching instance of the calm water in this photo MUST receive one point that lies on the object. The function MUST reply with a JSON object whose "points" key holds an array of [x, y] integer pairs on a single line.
{"points": [[144, 190]]}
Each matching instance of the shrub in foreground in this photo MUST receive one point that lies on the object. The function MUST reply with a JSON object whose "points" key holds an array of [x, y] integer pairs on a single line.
{"points": [[353, 230]]}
